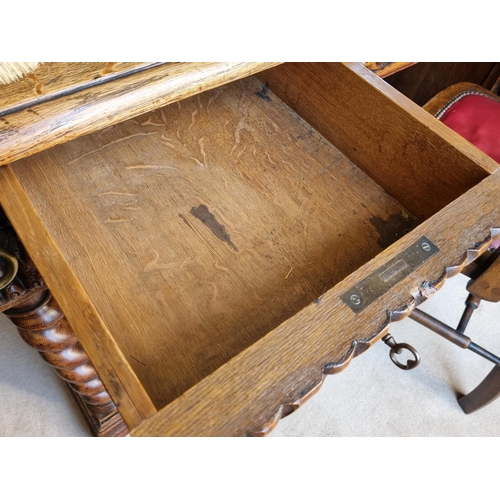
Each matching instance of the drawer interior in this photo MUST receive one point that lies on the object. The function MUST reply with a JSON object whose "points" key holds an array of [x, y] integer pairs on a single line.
{"points": [[199, 227]]}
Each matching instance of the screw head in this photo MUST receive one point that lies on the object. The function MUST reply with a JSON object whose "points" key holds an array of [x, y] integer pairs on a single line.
{"points": [[426, 247], [355, 299]]}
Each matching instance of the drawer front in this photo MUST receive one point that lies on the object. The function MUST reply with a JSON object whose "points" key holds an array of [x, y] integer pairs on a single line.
{"points": [[272, 378], [219, 256]]}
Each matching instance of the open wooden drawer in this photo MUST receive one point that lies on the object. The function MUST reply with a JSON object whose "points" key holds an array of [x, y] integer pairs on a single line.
{"points": [[210, 254]]}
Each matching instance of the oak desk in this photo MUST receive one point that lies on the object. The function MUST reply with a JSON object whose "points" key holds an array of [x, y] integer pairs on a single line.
{"points": [[215, 257]]}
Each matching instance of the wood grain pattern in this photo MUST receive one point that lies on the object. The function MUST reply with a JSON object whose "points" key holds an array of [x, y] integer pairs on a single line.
{"points": [[414, 157], [188, 234], [52, 80], [385, 69], [251, 392], [224, 214], [125, 389], [45, 125]]}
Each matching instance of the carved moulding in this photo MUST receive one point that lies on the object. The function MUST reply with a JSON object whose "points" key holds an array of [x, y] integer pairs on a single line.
{"points": [[419, 295], [27, 281]]}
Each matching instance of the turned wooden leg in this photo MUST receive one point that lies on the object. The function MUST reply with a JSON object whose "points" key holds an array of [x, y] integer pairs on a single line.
{"points": [[42, 325]]}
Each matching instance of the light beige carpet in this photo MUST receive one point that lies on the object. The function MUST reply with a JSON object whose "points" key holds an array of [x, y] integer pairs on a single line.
{"points": [[33, 400], [370, 398]]}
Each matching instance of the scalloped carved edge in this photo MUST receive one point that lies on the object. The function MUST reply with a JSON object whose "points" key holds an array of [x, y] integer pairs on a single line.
{"points": [[419, 295]]}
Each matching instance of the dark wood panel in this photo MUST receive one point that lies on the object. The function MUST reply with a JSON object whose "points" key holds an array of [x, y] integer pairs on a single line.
{"points": [[492, 81], [425, 79]]}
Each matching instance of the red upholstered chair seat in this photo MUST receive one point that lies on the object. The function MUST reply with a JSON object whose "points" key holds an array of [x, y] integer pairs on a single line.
{"points": [[475, 117]]}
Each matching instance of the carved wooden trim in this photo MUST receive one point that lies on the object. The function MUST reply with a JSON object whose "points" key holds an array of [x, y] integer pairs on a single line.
{"points": [[28, 281], [426, 290], [28, 303]]}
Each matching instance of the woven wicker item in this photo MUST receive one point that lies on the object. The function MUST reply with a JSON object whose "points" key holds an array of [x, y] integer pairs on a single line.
{"points": [[11, 71]]}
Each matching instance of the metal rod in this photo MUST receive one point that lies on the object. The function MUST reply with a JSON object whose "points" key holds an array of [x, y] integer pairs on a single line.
{"points": [[452, 335], [484, 353], [440, 328], [471, 305]]}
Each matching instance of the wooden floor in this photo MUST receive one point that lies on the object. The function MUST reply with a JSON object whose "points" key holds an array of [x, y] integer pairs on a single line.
{"points": [[217, 217]]}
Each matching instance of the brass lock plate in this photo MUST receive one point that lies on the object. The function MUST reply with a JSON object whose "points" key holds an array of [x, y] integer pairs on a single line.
{"points": [[385, 277]]}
